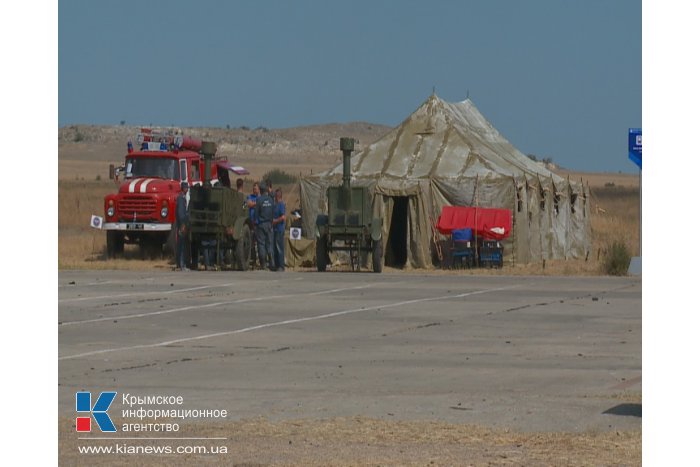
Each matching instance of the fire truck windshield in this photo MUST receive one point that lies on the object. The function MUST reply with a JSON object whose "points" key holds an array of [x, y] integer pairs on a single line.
{"points": [[160, 167]]}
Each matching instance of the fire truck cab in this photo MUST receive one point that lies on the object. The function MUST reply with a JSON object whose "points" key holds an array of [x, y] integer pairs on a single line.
{"points": [[143, 210]]}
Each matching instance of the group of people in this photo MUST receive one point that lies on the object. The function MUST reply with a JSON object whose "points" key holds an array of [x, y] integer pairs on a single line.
{"points": [[267, 213]]}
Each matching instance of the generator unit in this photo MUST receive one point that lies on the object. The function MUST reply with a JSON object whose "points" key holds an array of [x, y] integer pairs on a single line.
{"points": [[219, 221], [349, 225]]}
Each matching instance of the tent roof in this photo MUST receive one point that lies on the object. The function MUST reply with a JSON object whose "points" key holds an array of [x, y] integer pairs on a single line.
{"points": [[443, 140]]}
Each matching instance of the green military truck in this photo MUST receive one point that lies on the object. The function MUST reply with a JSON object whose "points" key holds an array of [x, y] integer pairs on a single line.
{"points": [[219, 221], [349, 225]]}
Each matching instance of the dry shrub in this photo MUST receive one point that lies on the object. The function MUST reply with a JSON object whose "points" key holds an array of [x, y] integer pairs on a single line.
{"points": [[617, 259], [614, 214], [280, 177]]}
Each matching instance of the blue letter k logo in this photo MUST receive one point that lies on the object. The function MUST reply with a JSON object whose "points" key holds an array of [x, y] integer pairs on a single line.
{"points": [[99, 410]]}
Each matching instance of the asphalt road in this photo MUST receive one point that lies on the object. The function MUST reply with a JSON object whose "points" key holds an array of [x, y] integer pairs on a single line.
{"points": [[523, 353]]}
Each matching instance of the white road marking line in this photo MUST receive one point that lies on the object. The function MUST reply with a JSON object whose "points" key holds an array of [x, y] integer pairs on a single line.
{"points": [[208, 305], [282, 323], [190, 289]]}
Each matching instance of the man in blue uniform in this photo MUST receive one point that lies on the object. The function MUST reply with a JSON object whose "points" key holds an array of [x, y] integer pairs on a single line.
{"points": [[250, 202], [182, 220], [278, 224], [263, 232]]}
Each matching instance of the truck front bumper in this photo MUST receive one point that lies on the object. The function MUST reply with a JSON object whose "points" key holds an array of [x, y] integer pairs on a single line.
{"points": [[137, 226]]}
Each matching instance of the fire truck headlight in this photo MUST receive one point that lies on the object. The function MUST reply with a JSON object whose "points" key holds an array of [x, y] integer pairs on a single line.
{"points": [[110, 211], [164, 212]]}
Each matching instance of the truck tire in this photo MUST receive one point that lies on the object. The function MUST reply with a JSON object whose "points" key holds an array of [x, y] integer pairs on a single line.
{"points": [[321, 254], [115, 244], [377, 256], [243, 250]]}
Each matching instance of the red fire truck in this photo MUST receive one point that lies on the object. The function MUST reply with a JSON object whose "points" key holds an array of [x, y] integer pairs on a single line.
{"points": [[142, 212]]}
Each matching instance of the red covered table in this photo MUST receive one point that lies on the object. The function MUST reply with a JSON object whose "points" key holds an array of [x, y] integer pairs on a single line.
{"points": [[490, 223]]}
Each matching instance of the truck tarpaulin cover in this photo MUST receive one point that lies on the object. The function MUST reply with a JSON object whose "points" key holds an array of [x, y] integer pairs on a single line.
{"points": [[233, 168], [489, 223]]}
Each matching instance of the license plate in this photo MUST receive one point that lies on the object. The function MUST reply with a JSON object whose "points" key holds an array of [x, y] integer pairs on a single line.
{"points": [[134, 226]]}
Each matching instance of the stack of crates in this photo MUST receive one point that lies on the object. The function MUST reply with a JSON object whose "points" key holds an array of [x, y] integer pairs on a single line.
{"points": [[462, 251], [491, 254]]}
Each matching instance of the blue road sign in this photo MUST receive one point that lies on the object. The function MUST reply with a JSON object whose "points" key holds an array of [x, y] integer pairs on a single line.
{"points": [[635, 146]]}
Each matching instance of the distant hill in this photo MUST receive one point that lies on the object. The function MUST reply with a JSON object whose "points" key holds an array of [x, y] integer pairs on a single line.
{"points": [[78, 142], [87, 150]]}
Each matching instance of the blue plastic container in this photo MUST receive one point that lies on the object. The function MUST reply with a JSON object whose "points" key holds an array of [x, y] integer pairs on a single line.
{"points": [[462, 235]]}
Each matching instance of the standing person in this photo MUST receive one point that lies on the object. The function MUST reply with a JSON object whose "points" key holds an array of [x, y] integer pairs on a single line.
{"points": [[278, 227], [239, 185], [250, 202], [182, 220], [263, 233], [271, 194]]}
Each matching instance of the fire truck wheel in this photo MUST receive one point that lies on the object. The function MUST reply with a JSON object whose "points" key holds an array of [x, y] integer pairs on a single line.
{"points": [[115, 244], [243, 251]]}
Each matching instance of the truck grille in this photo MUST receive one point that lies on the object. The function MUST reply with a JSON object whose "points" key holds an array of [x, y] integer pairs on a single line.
{"points": [[136, 204]]}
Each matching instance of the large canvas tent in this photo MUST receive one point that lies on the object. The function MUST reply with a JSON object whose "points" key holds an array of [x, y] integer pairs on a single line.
{"points": [[449, 154]]}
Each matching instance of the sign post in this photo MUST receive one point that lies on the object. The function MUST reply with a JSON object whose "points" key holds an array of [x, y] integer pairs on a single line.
{"points": [[635, 155]]}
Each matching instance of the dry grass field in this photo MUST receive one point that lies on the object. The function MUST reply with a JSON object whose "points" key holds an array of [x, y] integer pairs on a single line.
{"points": [[362, 441]]}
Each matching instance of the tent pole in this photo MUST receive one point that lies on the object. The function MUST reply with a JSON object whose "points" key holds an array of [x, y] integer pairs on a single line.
{"points": [[567, 226], [640, 213], [476, 221], [512, 226], [542, 200], [515, 249], [555, 196]]}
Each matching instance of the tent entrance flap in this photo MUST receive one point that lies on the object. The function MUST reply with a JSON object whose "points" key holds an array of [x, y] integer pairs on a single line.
{"points": [[396, 250]]}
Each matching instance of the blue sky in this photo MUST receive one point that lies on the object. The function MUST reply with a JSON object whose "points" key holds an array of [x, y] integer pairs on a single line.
{"points": [[559, 79]]}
